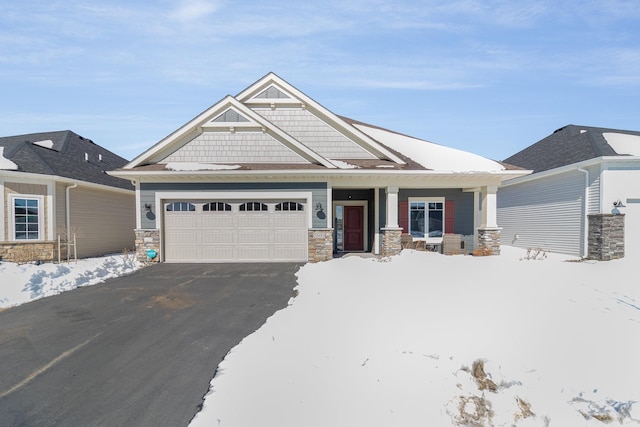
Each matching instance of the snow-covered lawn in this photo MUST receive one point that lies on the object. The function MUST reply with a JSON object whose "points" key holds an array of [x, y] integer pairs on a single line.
{"points": [[428, 340], [420, 339], [21, 283]]}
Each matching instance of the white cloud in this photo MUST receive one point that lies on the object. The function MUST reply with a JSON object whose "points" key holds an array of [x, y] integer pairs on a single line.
{"points": [[192, 10]]}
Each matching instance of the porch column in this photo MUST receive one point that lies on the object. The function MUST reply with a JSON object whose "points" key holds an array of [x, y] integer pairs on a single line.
{"points": [[391, 233], [392, 207], [376, 220], [489, 232], [489, 207]]}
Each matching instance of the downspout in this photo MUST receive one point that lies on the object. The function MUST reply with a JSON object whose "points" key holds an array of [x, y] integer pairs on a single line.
{"points": [[585, 232]]}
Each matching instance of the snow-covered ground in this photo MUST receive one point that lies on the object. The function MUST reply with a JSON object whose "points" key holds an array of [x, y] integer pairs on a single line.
{"points": [[420, 339], [428, 340], [26, 282]]}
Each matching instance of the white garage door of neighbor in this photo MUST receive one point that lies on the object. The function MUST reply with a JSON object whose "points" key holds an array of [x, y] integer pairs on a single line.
{"points": [[232, 231], [632, 228]]}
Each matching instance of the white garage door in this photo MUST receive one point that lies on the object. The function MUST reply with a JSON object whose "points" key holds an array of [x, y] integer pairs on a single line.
{"points": [[632, 228], [235, 231]]}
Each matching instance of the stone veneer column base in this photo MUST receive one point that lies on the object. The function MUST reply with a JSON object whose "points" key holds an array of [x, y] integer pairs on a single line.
{"points": [[606, 237], [391, 241], [489, 238], [145, 240], [320, 244]]}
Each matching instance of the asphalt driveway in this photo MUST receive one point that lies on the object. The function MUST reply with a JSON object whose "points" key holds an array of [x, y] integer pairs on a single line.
{"points": [[138, 350]]}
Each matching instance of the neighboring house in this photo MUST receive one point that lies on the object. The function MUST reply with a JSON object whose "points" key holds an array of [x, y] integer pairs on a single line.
{"points": [[582, 199], [54, 184], [271, 175]]}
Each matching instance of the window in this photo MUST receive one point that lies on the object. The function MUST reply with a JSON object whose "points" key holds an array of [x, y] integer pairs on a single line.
{"points": [[253, 206], [426, 219], [181, 207], [27, 218], [216, 207], [289, 206]]}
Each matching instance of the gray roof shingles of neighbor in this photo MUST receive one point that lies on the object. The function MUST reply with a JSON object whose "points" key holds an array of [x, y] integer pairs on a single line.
{"points": [[64, 154], [567, 145]]}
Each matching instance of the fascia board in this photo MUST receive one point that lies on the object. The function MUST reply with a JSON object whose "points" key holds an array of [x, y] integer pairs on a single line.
{"points": [[366, 141], [475, 178], [44, 179], [571, 167]]}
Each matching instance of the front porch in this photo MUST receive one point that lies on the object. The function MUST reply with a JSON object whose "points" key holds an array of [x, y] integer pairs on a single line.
{"points": [[376, 220]]}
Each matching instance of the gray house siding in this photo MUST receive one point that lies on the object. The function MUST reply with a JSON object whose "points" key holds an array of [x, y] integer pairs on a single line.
{"points": [[594, 189], [463, 214], [547, 213], [148, 194]]}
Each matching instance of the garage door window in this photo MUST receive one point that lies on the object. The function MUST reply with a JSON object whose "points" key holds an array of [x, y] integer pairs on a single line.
{"points": [[216, 207], [181, 207], [289, 206], [253, 207]]}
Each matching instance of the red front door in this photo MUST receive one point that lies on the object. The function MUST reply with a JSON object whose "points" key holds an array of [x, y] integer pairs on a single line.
{"points": [[354, 228]]}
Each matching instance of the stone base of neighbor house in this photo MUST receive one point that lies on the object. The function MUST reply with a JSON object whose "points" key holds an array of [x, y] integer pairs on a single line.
{"points": [[320, 244], [391, 241], [23, 252], [606, 237], [147, 240], [489, 240]]}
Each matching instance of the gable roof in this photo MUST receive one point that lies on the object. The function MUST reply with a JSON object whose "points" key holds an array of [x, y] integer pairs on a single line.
{"points": [[64, 154], [237, 134], [572, 144]]}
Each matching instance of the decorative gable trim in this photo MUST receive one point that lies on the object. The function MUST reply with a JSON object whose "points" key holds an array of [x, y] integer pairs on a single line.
{"points": [[299, 99], [213, 118]]}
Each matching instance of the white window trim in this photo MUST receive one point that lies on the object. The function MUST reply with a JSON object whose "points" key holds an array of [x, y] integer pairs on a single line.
{"points": [[427, 200], [41, 214]]}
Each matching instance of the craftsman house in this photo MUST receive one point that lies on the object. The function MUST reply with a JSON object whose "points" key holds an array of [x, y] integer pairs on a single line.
{"points": [[55, 192], [272, 175], [583, 198]]}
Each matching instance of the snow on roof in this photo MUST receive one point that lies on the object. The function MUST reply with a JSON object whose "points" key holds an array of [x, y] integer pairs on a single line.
{"points": [[5, 163], [623, 143], [343, 165], [430, 155], [46, 143], [193, 166]]}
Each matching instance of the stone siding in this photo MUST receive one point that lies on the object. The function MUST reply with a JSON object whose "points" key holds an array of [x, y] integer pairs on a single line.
{"points": [[23, 252], [146, 240], [391, 241], [320, 245], [606, 237], [489, 238]]}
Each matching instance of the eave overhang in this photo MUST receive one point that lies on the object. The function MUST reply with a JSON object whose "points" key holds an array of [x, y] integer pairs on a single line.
{"points": [[367, 178]]}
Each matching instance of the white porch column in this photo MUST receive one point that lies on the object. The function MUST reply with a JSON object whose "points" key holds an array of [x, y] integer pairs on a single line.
{"points": [[392, 207], [376, 220], [489, 207], [392, 233]]}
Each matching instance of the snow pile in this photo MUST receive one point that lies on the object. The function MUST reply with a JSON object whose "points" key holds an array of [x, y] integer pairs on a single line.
{"points": [[430, 155], [194, 166], [22, 283], [6, 164], [623, 143], [424, 339]]}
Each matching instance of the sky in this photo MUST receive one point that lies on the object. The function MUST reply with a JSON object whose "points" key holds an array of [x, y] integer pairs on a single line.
{"points": [[487, 76]]}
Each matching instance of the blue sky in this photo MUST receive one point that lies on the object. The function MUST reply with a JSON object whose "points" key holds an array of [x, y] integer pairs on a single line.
{"points": [[487, 76]]}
